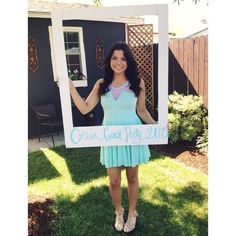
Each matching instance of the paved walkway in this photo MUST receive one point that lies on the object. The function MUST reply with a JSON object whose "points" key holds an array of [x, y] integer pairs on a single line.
{"points": [[45, 142]]}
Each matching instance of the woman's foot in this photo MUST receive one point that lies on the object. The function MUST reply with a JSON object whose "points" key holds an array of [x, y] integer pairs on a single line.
{"points": [[131, 222], [119, 224]]}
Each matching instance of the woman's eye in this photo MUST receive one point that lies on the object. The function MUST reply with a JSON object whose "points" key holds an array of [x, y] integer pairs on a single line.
{"points": [[121, 59]]}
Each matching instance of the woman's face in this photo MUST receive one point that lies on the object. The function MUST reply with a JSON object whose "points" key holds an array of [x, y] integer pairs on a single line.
{"points": [[118, 62]]}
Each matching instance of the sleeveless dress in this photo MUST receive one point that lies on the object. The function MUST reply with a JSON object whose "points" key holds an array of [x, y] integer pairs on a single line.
{"points": [[119, 106]]}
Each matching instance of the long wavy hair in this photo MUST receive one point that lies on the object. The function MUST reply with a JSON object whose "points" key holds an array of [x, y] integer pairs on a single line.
{"points": [[131, 72]]}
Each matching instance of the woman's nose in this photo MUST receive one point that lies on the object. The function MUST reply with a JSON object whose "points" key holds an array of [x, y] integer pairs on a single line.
{"points": [[119, 62]]}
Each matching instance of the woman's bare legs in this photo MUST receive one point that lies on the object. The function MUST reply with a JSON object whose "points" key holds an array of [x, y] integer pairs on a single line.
{"points": [[114, 174], [133, 187]]}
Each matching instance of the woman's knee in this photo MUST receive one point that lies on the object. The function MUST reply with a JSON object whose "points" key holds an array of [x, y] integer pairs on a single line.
{"points": [[115, 182], [132, 179], [132, 175], [114, 177]]}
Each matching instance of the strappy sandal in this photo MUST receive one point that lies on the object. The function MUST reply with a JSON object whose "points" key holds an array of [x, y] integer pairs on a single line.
{"points": [[131, 222], [119, 224]]}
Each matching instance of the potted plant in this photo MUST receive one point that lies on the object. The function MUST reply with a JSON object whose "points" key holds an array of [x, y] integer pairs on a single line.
{"points": [[78, 78]]}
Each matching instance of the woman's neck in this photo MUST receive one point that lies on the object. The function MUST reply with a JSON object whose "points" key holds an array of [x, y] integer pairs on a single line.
{"points": [[119, 79]]}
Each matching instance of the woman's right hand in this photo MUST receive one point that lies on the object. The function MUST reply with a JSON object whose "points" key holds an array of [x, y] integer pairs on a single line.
{"points": [[97, 84], [71, 85]]}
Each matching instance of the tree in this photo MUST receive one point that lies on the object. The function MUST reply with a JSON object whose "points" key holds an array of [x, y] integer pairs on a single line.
{"points": [[97, 3], [178, 1]]}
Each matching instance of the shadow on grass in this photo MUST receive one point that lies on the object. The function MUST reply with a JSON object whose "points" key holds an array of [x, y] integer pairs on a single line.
{"points": [[37, 164], [183, 204], [156, 155], [193, 193], [93, 214], [83, 163]]}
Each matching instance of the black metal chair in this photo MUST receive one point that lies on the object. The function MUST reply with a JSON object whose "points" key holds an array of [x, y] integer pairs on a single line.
{"points": [[47, 116]]}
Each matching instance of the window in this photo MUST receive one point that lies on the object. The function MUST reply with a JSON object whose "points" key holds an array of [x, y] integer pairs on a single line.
{"points": [[74, 53]]}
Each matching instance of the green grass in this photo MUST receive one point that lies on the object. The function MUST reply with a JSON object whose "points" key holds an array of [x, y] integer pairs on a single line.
{"points": [[173, 199]]}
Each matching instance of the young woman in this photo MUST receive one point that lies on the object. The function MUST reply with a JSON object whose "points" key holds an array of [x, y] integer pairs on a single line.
{"points": [[122, 96]]}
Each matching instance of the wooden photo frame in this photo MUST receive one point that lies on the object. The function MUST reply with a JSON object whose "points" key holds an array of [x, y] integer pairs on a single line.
{"points": [[89, 136]]}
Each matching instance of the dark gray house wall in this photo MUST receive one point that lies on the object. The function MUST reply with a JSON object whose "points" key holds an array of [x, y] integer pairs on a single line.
{"points": [[41, 86]]}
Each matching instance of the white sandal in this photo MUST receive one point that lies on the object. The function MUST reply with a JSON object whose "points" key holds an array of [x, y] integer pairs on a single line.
{"points": [[119, 225], [131, 222]]}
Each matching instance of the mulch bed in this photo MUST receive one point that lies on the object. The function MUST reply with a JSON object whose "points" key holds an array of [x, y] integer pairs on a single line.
{"points": [[185, 153], [40, 216]]}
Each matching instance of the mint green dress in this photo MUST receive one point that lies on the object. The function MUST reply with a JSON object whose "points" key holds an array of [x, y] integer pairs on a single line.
{"points": [[122, 111]]}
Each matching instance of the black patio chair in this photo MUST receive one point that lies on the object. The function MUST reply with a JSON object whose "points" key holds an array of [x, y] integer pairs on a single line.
{"points": [[47, 116]]}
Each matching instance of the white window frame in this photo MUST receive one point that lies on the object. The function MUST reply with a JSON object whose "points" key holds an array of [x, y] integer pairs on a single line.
{"points": [[91, 136], [77, 83]]}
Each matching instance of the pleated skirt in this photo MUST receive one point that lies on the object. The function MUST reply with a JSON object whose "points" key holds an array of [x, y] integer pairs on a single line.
{"points": [[128, 156]]}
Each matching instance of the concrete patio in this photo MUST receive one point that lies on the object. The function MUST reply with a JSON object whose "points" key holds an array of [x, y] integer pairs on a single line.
{"points": [[45, 142]]}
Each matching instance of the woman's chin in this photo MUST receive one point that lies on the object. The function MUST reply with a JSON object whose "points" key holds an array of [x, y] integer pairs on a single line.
{"points": [[119, 72]]}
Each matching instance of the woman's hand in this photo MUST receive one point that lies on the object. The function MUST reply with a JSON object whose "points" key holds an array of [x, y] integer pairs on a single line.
{"points": [[71, 85], [97, 84]]}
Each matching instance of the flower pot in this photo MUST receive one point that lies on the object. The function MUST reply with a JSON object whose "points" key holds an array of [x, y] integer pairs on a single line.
{"points": [[80, 83]]}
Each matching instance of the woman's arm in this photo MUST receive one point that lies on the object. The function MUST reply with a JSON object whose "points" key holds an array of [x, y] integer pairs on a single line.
{"points": [[85, 106], [141, 106]]}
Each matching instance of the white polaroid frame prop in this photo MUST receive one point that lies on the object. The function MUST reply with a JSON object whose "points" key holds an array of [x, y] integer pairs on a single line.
{"points": [[113, 135]]}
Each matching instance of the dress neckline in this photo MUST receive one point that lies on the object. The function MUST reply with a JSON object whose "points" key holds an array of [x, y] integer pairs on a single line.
{"points": [[122, 85]]}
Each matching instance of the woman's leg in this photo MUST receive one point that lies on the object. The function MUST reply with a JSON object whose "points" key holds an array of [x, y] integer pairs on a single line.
{"points": [[133, 187], [114, 174]]}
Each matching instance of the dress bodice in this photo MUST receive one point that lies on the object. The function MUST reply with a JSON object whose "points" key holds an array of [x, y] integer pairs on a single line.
{"points": [[120, 110]]}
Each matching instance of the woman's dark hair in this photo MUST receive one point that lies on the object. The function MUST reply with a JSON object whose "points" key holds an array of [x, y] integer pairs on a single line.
{"points": [[131, 72]]}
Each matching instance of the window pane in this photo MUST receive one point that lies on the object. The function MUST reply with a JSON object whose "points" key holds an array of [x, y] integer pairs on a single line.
{"points": [[66, 45], [72, 51], [73, 45], [73, 59], [65, 37], [72, 36], [67, 59]]}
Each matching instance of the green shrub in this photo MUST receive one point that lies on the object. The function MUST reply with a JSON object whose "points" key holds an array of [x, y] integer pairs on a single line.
{"points": [[202, 141], [186, 114]]}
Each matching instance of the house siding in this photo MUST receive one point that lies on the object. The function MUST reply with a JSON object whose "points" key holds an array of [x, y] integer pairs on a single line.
{"points": [[41, 85]]}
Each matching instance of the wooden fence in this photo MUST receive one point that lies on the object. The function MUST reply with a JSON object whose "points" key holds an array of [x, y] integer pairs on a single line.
{"points": [[188, 66]]}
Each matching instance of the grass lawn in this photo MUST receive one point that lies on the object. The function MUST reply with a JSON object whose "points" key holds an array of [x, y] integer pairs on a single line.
{"points": [[173, 199]]}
